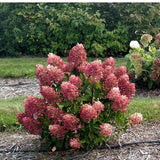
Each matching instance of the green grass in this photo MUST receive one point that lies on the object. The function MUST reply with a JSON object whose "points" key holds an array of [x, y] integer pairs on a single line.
{"points": [[19, 67], [8, 110], [120, 62], [26, 66], [150, 109]]}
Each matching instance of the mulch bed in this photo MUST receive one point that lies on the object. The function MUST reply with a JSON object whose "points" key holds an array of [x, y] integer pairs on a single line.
{"points": [[143, 132], [10, 88]]}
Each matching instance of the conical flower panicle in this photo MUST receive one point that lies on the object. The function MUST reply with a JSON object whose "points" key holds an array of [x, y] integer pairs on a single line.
{"points": [[55, 61], [94, 71], [77, 55], [109, 62], [50, 95], [69, 91]]}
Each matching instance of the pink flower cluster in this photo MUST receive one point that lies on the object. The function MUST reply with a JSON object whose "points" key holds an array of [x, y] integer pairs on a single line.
{"points": [[56, 61], [50, 95], [71, 122], [75, 143], [94, 71], [107, 71], [20, 117], [57, 131], [77, 55], [120, 104], [34, 110], [34, 107], [32, 126], [55, 114], [69, 67], [120, 71], [42, 75], [98, 106], [126, 88], [55, 74], [109, 62], [110, 82], [63, 122], [119, 89], [75, 80], [69, 91], [89, 112], [135, 118], [106, 129], [82, 66], [113, 93], [48, 75]]}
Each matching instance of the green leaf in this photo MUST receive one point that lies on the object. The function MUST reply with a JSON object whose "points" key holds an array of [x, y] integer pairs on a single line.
{"points": [[127, 56], [150, 84], [60, 106], [128, 65], [96, 94], [66, 103], [85, 97], [97, 85], [82, 76], [119, 118], [18, 34], [144, 43], [59, 143], [86, 85]]}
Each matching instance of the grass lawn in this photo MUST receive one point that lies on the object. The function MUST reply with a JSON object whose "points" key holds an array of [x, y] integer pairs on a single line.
{"points": [[26, 66], [8, 110], [19, 67], [150, 109]]}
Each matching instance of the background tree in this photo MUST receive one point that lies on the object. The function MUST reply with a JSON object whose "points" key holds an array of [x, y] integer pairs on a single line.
{"points": [[104, 28]]}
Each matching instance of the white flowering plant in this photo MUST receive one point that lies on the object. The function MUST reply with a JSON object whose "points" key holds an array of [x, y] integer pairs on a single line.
{"points": [[134, 44], [82, 105], [143, 65]]}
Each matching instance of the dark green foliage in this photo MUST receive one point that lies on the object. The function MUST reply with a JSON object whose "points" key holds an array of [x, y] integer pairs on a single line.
{"points": [[105, 29], [139, 18]]}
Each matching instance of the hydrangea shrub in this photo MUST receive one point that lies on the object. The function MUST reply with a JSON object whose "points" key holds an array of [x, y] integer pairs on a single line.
{"points": [[144, 61], [82, 105]]}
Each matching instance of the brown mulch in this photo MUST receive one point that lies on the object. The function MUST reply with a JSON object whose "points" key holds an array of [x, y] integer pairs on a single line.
{"points": [[10, 88], [143, 132]]}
